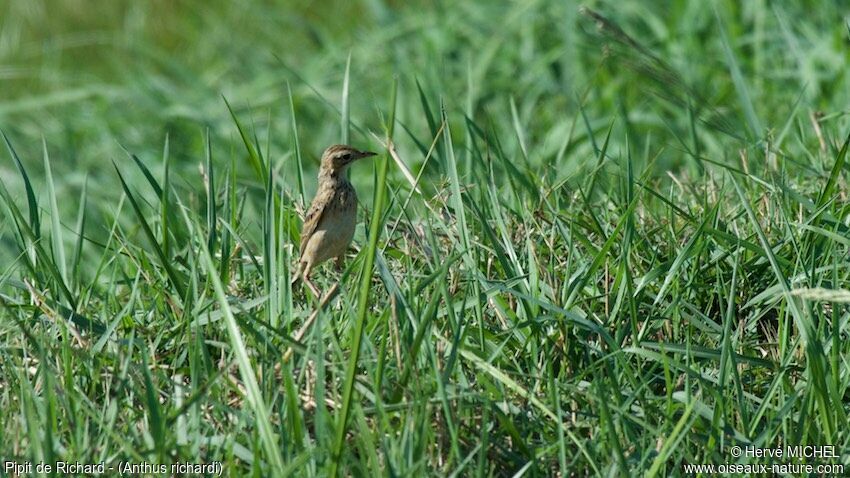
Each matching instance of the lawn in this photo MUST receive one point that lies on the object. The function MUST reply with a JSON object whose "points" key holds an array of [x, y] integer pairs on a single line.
{"points": [[607, 239]]}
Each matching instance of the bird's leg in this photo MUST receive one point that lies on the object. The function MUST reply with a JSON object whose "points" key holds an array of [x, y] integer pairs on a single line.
{"points": [[315, 290], [309, 322], [297, 276], [306, 278], [338, 262]]}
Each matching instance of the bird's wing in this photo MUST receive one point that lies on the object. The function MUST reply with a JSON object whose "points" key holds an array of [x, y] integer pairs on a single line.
{"points": [[311, 222]]}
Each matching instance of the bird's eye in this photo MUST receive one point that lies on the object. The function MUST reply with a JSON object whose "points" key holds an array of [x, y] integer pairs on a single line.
{"points": [[346, 156]]}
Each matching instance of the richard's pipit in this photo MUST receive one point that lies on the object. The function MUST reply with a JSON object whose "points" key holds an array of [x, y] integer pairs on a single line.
{"points": [[330, 221]]}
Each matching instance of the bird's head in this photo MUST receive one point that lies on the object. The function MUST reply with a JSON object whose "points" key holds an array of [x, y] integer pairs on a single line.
{"points": [[338, 156]]}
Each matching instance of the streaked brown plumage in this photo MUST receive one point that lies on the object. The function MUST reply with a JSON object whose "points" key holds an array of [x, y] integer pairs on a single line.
{"points": [[330, 221]]}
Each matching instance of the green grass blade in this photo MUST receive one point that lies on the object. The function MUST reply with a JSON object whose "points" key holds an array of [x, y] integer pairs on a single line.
{"points": [[345, 116], [55, 223], [165, 262], [211, 195], [80, 230], [253, 155], [147, 173], [32, 204], [299, 162], [738, 80], [246, 368], [364, 289], [828, 190]]}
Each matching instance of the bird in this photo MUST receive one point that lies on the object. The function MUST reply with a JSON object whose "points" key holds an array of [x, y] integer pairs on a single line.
{"points": [[329, 224]]}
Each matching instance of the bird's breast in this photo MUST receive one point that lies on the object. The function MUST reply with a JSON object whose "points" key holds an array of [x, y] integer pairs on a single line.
{"points": [[336, 228], [345, 197]]}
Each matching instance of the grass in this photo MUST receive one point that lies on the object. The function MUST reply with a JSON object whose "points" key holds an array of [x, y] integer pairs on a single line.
{"points": [[598, 240]]}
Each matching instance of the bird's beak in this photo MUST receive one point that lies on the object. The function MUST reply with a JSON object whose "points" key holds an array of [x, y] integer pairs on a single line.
{"points": [[366, 154]]}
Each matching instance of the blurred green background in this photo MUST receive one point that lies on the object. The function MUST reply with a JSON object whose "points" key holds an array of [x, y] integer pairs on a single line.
{"points": [[537, 74], [128, 73]]}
